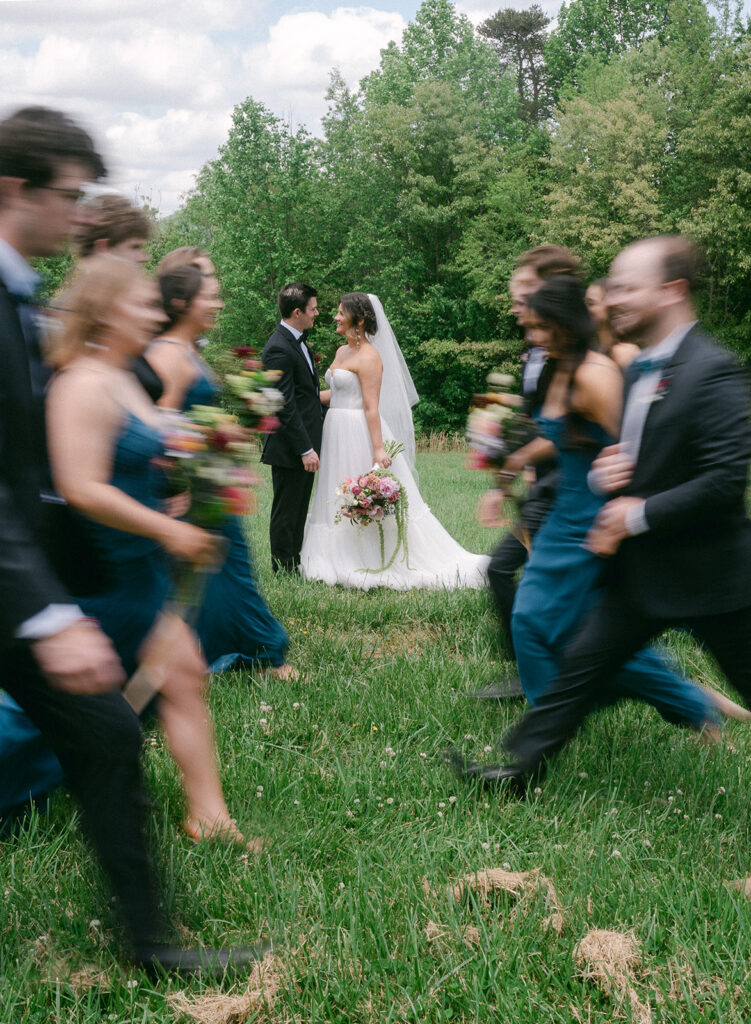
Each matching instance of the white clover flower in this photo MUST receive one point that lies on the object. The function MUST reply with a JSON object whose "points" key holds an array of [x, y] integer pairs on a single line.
{"points": [[616, 853], [389, 800], [721, 790], [486, 846]]}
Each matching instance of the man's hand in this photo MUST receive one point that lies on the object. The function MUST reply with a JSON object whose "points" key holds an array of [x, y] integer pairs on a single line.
{"points": [[612, 469], [311, 462], [79, 659], [609, 529], [490, 510]]}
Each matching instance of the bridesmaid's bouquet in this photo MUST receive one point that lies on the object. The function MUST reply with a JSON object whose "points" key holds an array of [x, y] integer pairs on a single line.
{"points": [[496, 425], [250, 392], [206, 456], [373, 497]]}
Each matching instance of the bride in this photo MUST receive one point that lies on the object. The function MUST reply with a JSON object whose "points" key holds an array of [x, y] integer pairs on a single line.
{"points": [[370, 399]]}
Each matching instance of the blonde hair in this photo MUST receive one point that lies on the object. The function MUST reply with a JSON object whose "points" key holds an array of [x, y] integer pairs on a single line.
{"points": [[83, 307], [185, 256]]}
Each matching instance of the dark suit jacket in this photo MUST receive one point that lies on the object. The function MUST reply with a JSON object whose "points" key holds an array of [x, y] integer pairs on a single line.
{"points": [[27, 582], [692, 469], [302, 416]]}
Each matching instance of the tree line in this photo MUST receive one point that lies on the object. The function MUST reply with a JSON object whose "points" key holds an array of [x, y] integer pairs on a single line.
{"points": [[463, 148]]}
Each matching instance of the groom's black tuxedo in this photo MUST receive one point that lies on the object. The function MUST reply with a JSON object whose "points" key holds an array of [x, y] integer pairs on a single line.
{"points": [[97, 739], [693, 565], [300, 431]]}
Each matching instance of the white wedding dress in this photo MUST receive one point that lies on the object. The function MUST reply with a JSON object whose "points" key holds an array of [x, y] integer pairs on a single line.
{"points": [[338, 552]]}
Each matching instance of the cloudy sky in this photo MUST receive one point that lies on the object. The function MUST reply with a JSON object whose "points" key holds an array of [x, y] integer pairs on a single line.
{"points": [[156, 80]]}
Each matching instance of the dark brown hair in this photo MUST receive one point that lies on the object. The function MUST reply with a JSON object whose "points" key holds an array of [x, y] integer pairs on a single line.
{"points": [[35, 141], [115, 219], [180, 285], [295, 296], [547, 260], [184, 256], [358, 306]]}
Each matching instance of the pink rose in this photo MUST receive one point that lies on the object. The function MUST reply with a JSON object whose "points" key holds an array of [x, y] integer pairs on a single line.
{"points": [[356, 489], [376, 512]]}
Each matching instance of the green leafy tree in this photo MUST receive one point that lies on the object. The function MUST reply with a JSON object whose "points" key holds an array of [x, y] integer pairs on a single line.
{"points": [[600, 29], [519, 39]]}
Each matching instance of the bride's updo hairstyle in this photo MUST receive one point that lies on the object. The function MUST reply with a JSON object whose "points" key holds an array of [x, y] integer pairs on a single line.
{"points": [[358, 306], [85, 307], [178, 289]]}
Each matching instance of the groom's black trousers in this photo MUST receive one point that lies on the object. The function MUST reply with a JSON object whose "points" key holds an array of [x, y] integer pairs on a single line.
{"points": [[292, 490], [98, 743], [612, 634]]}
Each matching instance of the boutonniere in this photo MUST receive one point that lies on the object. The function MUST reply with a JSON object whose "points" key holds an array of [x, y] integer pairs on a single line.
{"points": [[315, 356], [664, 385]]}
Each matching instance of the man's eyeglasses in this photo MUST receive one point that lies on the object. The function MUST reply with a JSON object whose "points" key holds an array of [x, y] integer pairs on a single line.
{"points": [[73, 195]]}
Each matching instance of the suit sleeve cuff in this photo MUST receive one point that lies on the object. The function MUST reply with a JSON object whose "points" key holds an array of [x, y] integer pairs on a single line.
{"points": [[52, 619], [636, 519]]}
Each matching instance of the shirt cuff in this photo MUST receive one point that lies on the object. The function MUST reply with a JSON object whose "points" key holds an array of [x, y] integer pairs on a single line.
{"points": [[51, 620], [636, 519], [308, 452]]}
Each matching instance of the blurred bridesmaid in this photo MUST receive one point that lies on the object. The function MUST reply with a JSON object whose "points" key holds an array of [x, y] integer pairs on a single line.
{"points": [[235, 625], [103, 436], [622, 353]]}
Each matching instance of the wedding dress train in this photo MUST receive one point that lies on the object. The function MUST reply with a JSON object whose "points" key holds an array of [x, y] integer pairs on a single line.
{"points": [[339, 552]]}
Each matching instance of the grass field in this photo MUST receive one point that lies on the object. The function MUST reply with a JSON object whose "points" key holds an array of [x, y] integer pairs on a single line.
{"points": [[639, 830]]}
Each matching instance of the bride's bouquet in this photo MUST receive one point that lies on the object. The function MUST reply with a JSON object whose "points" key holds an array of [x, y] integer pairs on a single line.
{"points": [[373, 497]]}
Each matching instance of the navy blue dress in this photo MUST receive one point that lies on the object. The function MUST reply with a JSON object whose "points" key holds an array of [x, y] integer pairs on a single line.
{"points": [[138, 583], [235, 625], [561, 584]]}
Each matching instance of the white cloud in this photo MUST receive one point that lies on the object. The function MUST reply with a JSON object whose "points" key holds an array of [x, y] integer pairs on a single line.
{"points": [[290, 70]]}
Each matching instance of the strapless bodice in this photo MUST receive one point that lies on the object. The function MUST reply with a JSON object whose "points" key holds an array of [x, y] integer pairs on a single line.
{"points": [[345, 389]]}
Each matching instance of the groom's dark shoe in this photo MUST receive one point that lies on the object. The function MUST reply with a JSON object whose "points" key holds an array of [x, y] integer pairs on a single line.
{"points": [[509, 778], [209, 963], [509, 689]]}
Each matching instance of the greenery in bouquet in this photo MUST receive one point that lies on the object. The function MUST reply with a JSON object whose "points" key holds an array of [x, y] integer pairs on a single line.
{"points": [[250, 392], [373, 497], [497, 424]]}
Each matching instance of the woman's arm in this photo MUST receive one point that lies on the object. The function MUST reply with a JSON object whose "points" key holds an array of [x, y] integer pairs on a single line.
{"points": [[325, 397], [370, 372], [82, 424], [597, 394], [175, 371]]}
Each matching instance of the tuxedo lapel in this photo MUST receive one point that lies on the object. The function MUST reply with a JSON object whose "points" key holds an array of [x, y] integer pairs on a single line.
{"points": [[296, 345]]}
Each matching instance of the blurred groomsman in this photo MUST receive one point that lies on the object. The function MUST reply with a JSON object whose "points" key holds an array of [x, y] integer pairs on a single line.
{"points": [[675, 527], [58, 665]]}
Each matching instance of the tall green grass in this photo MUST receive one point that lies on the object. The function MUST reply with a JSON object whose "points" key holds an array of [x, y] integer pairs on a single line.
{"points": [[638, 827]]}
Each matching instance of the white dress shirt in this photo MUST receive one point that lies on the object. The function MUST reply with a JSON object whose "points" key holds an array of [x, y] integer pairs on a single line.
{"points": [[640, 398]]}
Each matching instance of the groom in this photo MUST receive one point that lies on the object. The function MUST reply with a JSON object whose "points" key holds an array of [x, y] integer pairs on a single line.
{"points": [[292, 451], [675, 526]]}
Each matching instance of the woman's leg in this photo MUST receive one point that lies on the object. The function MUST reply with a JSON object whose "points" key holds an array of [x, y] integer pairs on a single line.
{"points": [[187, 724]]}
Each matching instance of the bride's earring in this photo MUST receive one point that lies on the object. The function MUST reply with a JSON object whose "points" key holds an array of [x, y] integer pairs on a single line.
{"points": [[357, 335]]}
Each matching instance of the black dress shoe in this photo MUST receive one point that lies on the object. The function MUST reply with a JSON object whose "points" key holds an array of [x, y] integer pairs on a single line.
{"points": [[509, 689], [210, 963], [496, 776]]}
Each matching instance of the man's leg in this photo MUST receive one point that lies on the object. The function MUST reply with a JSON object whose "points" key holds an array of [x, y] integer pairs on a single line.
{"points": [[98, 743], [505, 561], [306, 489], [611, 634], [728, 638], [285, 509]]}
